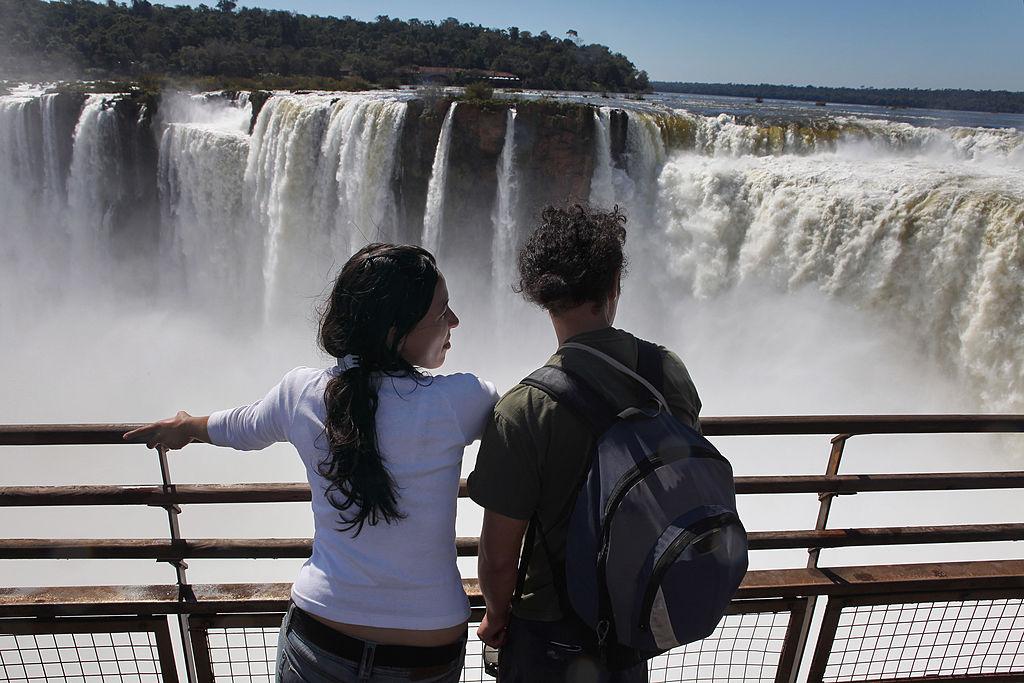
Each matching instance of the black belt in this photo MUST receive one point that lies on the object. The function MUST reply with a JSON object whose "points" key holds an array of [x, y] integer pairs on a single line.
{"points": [[347, 647]]}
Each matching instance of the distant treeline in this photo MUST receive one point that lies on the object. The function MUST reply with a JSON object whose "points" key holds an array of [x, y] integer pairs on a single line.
{"points": [[84, 39], [963, 100]]}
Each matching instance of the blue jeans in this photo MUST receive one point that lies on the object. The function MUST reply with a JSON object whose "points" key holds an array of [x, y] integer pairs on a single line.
{"points": [[300, 660]]}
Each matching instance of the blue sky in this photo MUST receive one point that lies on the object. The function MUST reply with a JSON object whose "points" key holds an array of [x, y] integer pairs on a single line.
{"points": [[891, 43]]}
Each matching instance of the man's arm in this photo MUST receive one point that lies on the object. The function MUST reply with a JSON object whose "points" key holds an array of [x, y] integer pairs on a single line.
{"points": [[501, 539]]}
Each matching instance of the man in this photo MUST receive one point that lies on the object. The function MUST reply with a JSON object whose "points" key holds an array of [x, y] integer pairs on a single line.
{"points": [[534, 452]]}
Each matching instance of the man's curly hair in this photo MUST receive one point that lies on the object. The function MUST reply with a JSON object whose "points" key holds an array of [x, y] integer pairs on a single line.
{"points": [[575, 256]]}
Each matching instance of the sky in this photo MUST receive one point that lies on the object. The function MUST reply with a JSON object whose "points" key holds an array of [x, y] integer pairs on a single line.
{"points": [[974, 44]]}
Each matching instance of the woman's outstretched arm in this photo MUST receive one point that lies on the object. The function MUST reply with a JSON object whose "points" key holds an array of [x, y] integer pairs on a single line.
{"points": [[172, 433]]}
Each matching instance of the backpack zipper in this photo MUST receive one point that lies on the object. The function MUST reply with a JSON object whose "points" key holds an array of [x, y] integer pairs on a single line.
{"points": [[630, 479], [674, 549]]}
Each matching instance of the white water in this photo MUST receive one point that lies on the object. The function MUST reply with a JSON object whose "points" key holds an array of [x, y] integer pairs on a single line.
{"points": [[931, 246], [877, 272], [212, 246], [94, 187], [319, 171], [434, 213], [503, 217], [363, 137], [602, 187], [18, 187]]}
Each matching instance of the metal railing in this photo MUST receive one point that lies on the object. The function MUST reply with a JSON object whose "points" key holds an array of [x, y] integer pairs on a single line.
{"points": [[225, 631]]}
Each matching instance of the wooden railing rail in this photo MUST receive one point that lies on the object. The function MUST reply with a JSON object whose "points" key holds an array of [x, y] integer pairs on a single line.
{"points": [[466, 546], [295, 492], [767, 425], [792, 592]]}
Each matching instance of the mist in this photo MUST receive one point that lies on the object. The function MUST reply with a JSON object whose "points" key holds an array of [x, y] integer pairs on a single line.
{"points": [[788, 282]]}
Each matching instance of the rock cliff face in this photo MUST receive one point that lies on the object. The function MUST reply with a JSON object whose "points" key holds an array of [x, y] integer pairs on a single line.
{"points": [[555, 144], [66, 109], [136, 218], [554, 158], [478, 133], [554, 161], [416, 147]]}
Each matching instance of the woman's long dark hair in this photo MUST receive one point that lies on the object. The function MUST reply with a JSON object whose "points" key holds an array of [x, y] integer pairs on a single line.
{"points": [[379, 296]]}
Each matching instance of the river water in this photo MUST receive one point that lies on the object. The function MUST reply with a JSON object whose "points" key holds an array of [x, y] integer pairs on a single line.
{"points": [[800, 259]]}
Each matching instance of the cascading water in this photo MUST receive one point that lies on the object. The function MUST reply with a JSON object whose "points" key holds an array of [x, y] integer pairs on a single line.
{"points": [[504, 218], [318, 173], [434, 213], [213, 247], [281, 178], [19, 164], [94, 186], [926, 231], [798, 266], [363, 137], [918, 227], [602, 184], [54, 187]]}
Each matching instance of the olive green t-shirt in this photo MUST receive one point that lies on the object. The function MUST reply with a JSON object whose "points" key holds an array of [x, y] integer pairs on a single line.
{"points": [[534, 451]]}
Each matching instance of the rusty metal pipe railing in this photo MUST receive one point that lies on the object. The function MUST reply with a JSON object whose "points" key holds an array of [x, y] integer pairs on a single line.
{"points": [[185, 494], [223, 548], [799, 587], [91, 434]]}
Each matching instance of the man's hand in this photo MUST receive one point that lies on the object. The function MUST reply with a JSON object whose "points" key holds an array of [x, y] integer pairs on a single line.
{"points": [[492, 629], [172, 433]]}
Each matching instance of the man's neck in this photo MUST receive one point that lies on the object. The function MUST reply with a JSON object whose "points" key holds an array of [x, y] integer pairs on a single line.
{"points": [[577, 321]]}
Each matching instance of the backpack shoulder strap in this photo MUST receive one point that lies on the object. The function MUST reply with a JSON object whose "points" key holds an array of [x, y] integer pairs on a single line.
{"points": [[649, 364], [571, 391], [655, 392], [568, 389]]}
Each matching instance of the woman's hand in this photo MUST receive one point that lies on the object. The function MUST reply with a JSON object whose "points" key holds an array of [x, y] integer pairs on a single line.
{"points": [[492, 630], [173, 433]]}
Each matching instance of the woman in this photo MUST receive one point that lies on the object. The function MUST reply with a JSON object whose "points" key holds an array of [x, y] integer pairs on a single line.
{"points": [[380, 598]]}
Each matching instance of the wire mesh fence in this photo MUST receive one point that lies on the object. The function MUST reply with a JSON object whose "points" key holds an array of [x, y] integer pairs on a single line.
{"points": [[246, 655], [915, 640], [86, 651], [745, 648]]}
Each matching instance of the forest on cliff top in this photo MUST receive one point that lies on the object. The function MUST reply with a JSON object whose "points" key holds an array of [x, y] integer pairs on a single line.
{"points": [[88, 40]]}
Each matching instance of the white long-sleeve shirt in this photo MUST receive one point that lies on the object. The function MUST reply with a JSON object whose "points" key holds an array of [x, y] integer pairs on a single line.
{"points": [[399, 575]]}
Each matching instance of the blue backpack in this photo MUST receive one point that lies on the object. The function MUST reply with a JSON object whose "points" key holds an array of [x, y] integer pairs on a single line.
{"points": [[655, 549]]}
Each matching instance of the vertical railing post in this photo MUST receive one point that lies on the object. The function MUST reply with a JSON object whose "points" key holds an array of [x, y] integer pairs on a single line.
{"points": [[800, 623], [185, 593]]}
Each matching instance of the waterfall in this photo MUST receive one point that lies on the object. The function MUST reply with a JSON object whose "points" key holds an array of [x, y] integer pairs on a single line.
{"points": [[209, 238], [94, 185], [602, 190], [281, 174], [54, 187], [727, 135], [434, 213], [935, 251], [503, 218], [319, 173], [916, 228], [363, 137], [19, 160]]}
